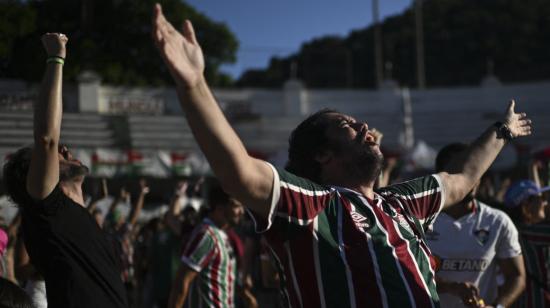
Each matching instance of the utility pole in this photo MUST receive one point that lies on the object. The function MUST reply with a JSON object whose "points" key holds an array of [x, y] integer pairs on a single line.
{"points": [[349, 68], [407, 135], [419, 27], [377, 44]]}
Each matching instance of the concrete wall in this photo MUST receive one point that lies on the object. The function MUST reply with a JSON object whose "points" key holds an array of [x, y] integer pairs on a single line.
{"points": [[264, 118]]}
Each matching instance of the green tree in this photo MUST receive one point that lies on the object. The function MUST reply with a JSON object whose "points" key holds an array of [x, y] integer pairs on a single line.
{"points": [[111, 37], [16, 20], [460, 38]]}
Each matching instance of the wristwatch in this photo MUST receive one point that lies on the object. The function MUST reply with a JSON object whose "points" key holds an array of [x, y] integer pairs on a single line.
{"points": [[503, 132]]}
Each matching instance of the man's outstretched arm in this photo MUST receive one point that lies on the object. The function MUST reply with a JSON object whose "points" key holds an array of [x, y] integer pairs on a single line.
{"points": [[466, 170], [44, 167], [247, 179]]}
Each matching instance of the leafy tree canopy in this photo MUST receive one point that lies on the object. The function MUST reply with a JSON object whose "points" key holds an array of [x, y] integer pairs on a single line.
{"points": [[461, 38], [110, 37]]}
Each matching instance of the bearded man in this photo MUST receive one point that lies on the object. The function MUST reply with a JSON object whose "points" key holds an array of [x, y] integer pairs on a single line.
{"points": [[338, 242], [63, 240]]}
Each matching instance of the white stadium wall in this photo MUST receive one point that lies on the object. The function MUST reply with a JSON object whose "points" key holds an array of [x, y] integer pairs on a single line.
{"points": [[148, 122]]}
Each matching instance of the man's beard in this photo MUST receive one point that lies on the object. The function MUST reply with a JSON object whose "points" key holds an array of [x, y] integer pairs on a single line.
{"points": [[69, 172], [364, 162]]}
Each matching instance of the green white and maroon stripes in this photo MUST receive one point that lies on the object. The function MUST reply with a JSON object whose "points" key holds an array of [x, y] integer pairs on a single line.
{"points": [[338, 249], [209, 253], [535, 246]]}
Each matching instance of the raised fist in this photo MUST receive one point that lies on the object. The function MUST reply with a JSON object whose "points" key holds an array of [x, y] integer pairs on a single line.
{"points": [[54, 44]]}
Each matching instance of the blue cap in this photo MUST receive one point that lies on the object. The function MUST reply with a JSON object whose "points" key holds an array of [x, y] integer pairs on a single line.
{"points": [[520, 191]]}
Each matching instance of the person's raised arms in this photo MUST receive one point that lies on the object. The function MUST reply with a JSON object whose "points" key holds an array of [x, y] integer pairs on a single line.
{"points": [[466, 170], [247, 179], [44, 167]]}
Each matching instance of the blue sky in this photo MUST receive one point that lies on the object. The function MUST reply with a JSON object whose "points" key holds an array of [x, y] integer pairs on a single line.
{"points": [[267, 28]]}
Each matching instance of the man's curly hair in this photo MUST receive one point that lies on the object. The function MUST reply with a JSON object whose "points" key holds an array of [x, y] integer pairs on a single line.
{"points": [[15, 175], [306, 141]]}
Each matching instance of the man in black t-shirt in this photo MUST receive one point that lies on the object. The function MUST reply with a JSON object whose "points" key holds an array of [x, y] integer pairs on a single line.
{"points": [[63, 240]]}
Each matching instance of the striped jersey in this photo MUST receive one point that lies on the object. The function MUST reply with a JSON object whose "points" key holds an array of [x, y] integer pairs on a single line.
{"points": [[209, 253], [535, 244], [337, 248]]}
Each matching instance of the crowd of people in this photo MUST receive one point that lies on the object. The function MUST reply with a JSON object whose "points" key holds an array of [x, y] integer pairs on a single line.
{"points": [[337, 227]]}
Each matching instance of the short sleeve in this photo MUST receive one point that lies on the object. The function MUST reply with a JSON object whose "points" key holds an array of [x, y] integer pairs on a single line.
{"points": [[508, 242], [294, 200], [51, 203], [423, 198], [200, 249]]}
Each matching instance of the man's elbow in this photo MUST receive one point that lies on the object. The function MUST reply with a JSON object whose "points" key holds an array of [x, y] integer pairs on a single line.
{"points": [[46, 142], [517, 283], [457, 186]]}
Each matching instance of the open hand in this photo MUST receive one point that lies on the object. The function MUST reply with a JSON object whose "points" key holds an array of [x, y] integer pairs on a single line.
{"points": [[180, 51], [518, 123], [55, 43]]}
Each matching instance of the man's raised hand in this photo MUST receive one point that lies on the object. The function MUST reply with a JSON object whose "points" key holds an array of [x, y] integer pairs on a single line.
{"points": [[180, 51], [143, 187], [518, 123], [54, 44]]}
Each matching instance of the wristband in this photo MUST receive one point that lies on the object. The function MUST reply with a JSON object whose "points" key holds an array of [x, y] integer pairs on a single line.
{"points": [[503, 132], [55, 59]]}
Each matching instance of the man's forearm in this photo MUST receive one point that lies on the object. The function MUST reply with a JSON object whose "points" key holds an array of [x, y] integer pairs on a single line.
{"points": [[173, 213], [178, 294], [137, 208], [47, 112], [215, 136], [482, 153], [510, 291], [10, 264], [242, 176], [43, 172], [467, 169]]}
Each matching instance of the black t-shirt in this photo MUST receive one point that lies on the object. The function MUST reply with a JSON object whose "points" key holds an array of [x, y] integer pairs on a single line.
{"points": [[73, 254]]}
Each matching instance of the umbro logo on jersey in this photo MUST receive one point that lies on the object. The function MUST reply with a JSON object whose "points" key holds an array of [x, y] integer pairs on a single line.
{"points": [[482, 235], [361, 222]]}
